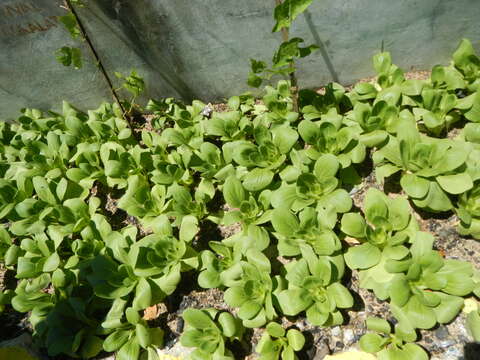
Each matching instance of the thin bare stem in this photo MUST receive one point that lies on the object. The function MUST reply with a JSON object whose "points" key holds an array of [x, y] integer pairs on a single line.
{"points": [[69, 6]]}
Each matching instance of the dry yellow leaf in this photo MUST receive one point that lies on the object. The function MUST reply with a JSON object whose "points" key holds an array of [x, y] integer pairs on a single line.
{"points": [[351, 241], [150, 313], [351, 355], [470, 305]]}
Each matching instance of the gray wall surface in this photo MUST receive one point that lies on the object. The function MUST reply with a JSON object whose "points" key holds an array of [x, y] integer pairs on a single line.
{"points": [[201, 49], [29, 74]]}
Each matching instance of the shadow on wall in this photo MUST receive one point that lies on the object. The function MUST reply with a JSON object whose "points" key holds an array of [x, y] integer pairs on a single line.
{"points": [[145, 31], [321, 45]]}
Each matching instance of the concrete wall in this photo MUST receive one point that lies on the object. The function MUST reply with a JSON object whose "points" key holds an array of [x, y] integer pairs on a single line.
{"points": [[201, 49]]}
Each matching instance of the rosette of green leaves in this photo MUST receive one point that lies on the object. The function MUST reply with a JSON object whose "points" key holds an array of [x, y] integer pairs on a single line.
{"points": [[390, 78], [431, 168], [132, 338], [390, 346], [81, 338], [387, 226], [107, 123], [468, 63], [447, 78], [246, 208], [103, 154], [57, 202], [314, 287], [262, 158], [31, 154], [208, 161], [230, 125], [10, 196], [35, 153], [183, 205], [55, 295], [88, 167], [319, 188], [148, 269], [362, 92], [175, 166], [385, 218], [252, 290], [468, 210], [251, 237], [222, 266], [426, 288], [164, 110], [276, 343], [313, 105], [435, 110], [373, 122], [329, 136], [219, 265], [209, 331], [294, 232], [37, 255], [142, 200], [53, 260], [278, 105], [187, 132], [119, 164]]}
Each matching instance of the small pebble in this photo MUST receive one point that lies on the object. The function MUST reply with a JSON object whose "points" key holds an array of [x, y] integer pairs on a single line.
{"points": [[446, 343], [322, 350], [453, 353], [336, 331], [348, 336], [442, 333]]}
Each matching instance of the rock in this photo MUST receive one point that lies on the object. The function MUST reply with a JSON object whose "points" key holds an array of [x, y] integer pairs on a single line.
{"points": [[453, 353], [19, 348], [442, 332], [348, 337], [322, 350], [336, 331]]}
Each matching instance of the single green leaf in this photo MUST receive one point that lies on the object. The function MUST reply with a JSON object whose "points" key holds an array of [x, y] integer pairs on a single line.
{"points": [[378, 324], [233, 192], [362, 256], [371, 342], [275, 330], [188, 228], [295, 339], [455, 184], [197, 318], [257, 179], [353, 224]]}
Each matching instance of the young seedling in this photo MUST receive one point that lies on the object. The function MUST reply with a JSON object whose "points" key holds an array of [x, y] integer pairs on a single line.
{"points": [[314, 287], [391, 346], [210, 331], [276, 343]]}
